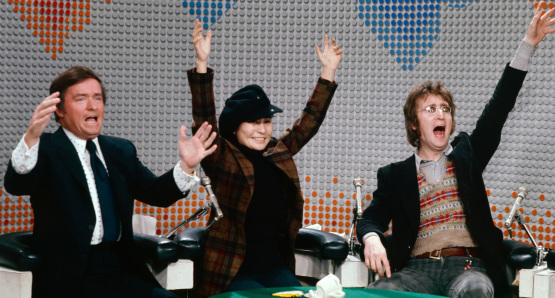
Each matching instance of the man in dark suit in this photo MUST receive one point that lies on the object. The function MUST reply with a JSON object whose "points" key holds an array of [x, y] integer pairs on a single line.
{"points": [[443, 240], [82, 187]]}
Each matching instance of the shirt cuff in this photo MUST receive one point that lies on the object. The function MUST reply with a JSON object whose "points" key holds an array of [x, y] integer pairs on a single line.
{"points": [[24, 159], [368, 235], [183, 180], [524, 54]]}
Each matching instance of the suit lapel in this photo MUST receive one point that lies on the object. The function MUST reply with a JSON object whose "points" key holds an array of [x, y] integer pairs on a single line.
{"points": [[68, 156], [408, 190]]}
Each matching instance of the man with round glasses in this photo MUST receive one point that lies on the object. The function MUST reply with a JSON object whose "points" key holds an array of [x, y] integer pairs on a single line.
{"points": [[443, 238]]}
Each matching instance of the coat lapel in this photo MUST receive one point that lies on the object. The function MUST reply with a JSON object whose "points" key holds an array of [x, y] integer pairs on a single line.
{"points": [[68, 157], [408, 190], [245, 164]]}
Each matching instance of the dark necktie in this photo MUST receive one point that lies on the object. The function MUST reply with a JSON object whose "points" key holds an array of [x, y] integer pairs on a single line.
{"points": [[110, 217]]}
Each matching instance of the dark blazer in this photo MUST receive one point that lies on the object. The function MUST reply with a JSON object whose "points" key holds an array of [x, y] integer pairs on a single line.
{"points": [[64, 217], [232, 177], [397, 200]]}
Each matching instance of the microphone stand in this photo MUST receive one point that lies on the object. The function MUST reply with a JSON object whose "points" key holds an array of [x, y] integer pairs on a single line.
{"points": [[353, 247], [198, 214], [357, 215], [541, 251]]}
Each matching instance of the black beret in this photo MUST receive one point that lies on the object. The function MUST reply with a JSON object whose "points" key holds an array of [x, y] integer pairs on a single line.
{"points": [[249, 103]]}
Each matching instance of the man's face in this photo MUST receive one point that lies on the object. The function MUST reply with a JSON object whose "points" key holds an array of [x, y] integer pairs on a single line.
{"points": [[434, 130], [255, 134], [83, 112]]}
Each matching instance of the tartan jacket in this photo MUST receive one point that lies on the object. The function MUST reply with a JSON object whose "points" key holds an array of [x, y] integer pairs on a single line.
{"points": [[232, 178]]}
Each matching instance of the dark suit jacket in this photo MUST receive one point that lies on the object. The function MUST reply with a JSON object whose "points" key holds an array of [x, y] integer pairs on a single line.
{"points": [[397, 200], [64, 217]]}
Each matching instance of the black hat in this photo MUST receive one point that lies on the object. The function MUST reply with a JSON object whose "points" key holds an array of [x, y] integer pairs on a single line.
{"points": [[247, 104]]}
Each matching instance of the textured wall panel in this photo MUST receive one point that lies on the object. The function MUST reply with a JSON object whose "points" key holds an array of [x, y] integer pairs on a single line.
{"points": [[142, 49]]}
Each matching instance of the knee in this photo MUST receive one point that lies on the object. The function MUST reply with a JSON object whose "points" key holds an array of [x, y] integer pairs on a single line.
{"points": [[385, 284], [475, 286]]}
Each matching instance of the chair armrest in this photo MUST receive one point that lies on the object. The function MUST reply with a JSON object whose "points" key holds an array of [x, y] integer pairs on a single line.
{"points": [[519, 254], [16, 253], [156, 248], [326, 246], [190, 243]]}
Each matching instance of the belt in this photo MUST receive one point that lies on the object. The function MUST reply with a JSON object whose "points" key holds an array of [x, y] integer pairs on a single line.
{"points": [[451, 251]]}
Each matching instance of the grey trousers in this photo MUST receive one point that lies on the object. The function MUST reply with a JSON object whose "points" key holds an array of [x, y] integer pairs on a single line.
{"points": [[445, 277]]}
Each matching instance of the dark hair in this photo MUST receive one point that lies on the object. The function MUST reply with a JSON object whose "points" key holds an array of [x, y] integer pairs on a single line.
{"points": [[422, 90], [70, 77]]}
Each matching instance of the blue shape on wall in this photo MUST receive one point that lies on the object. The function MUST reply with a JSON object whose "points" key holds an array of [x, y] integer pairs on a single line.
{"points": [[407, 28], [208, 12]]}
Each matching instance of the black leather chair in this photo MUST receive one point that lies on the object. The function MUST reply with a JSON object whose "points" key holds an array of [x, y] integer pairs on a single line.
{"points": [[16, 252], [323, 245], [519, 256], [190, 243]]}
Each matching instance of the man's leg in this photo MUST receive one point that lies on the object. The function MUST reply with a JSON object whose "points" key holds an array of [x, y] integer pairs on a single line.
{"points": [[473, 282], [418, 277]]}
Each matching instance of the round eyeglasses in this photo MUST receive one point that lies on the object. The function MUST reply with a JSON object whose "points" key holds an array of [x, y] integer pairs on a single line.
{"points": [[432, 110]]}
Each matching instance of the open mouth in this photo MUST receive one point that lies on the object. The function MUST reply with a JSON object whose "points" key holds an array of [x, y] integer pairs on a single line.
{"points": [[439, 131], [91, 119]]}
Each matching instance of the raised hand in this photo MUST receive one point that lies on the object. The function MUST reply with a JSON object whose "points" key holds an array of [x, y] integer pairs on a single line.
{"points": [[193, 150], [40, 118], [539, 27], [330, 58], [202, 46]]}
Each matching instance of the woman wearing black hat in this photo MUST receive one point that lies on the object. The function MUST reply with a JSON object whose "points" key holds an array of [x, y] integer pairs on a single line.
{"points": [[254, 177]]}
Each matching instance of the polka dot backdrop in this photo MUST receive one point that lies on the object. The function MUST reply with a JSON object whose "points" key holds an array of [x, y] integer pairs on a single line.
{"points": [[142, 48]]}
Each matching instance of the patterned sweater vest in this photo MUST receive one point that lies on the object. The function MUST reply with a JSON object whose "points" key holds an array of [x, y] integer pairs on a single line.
{"points": [[442, 218]]}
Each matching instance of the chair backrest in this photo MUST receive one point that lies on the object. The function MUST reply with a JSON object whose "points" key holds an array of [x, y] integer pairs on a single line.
{"points": [[16, 252], [325, 245], [190, 242]]}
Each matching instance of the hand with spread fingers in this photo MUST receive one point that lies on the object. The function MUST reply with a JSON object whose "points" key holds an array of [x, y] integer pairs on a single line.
{"points": [[193, 150], [40, 118], [202, 46], [330, 58]]}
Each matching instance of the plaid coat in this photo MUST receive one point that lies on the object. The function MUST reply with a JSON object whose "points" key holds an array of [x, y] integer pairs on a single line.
{"points": [[232, 178]]}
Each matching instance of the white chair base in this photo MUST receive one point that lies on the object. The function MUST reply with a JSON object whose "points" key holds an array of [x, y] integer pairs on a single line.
{"points": [[176, 276], [15, 283]]}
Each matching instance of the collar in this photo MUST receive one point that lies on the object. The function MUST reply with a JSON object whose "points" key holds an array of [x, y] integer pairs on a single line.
{"points": [[79, 144], [419, 160]]}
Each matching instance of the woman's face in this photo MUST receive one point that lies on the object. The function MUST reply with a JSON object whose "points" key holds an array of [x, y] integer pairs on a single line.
{"points": [[256, 134]]}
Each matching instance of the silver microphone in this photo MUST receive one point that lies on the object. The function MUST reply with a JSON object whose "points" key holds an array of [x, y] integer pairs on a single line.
{"points": [[522, 192], [358, 182], [205, 181]]}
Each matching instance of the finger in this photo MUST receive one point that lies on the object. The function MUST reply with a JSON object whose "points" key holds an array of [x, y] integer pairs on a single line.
{"points": [[209, 36], [326, 41], [202, 133], [333, 42], [211, 150], [387, 268], [206, 132], [210, 140], [182, 132], [319, 53], [379, 268], [548, 14]]}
